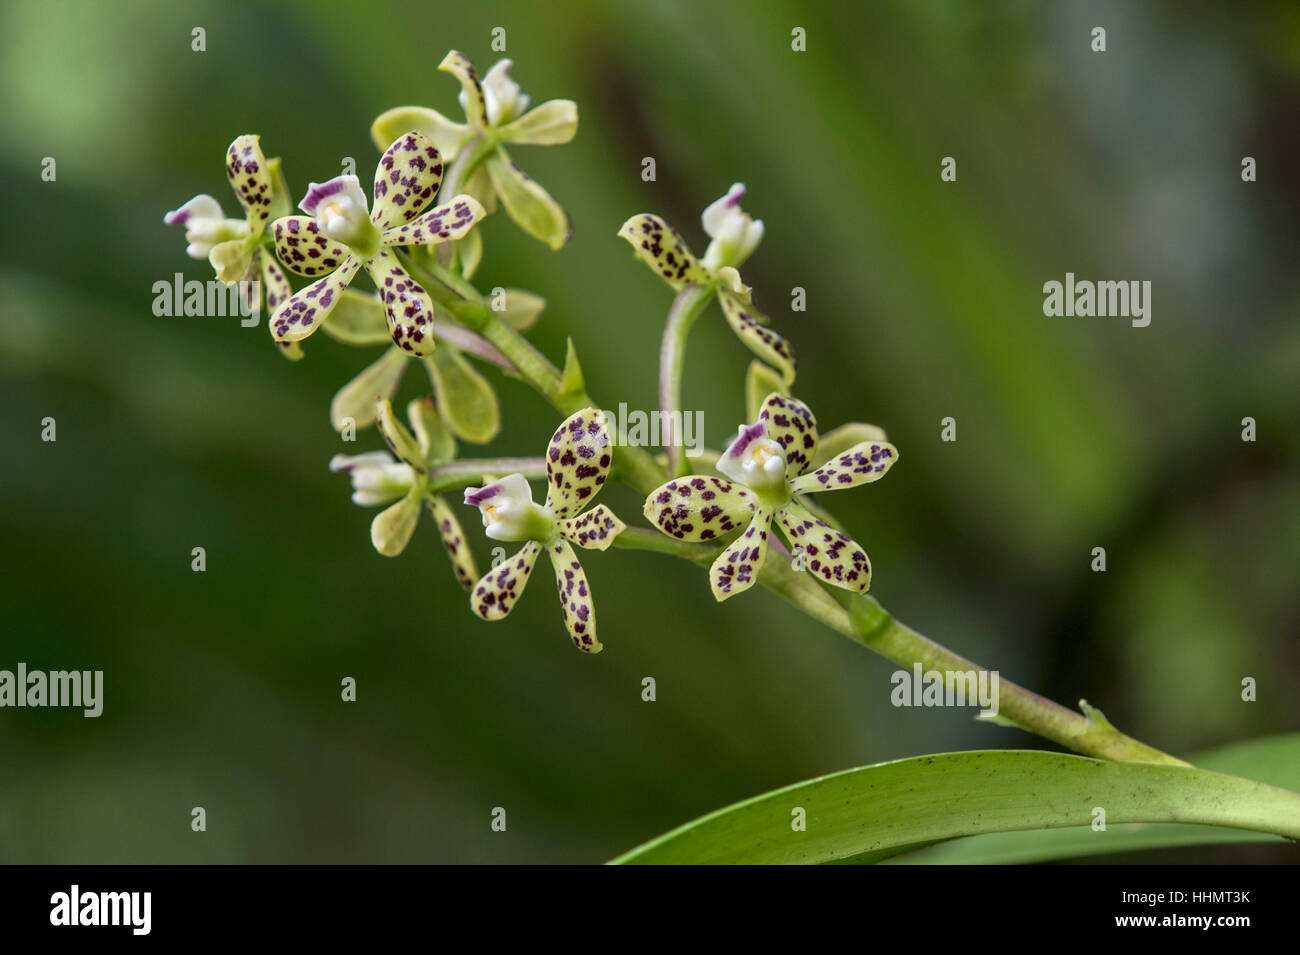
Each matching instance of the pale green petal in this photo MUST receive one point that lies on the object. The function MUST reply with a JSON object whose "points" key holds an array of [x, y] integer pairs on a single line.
{"points": [[578, 461], [575, 597], [392, 528], [699, 508], [249, 176], [447, 136], [358, 319], [833, 556], [475, 103], [396, 435], [480, 187], [307, 308], [523, 309], [496, 592], [437, 445], [594, 529], [406, 303], [551, 124], [526, 202], [470, 251], [859, 464], [453, 539], [231, 260], [466, 400], [359, 398], [842, 438], [761, 340], [659, 246], [736, 568], [443, 223], [281, 198], [760, 381]]}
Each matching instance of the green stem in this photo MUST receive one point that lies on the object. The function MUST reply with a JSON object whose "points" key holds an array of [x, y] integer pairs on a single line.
{"points": [[863, 620], [686, 308], [469, 471]]}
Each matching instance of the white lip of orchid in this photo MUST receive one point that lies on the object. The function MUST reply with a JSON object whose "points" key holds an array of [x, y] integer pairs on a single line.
{"points": [[376, 477], [754, 460], [509, 513], [734, 234], [501, 95], [205, 224], [341, 210]]}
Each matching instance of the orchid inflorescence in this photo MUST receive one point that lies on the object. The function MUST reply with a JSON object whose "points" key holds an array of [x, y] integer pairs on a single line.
{"points": [[416, 236]]}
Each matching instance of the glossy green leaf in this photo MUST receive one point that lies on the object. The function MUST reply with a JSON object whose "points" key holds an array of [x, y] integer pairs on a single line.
{"points": [[905, 804], [1274, 760]]}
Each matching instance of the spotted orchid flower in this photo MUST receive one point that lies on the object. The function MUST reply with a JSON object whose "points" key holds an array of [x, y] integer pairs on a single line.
{"points": [[768, 466], [577, 464], [235, 247], [379, 478], [496, 113], [733, 237], [340, 235]]}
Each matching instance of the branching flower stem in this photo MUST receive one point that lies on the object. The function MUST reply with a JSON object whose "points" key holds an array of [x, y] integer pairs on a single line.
{"points": [[860, 618], [686, 308]]}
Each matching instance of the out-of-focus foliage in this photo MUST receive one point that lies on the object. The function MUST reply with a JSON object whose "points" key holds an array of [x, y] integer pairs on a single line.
{"points": [[924, 301]]}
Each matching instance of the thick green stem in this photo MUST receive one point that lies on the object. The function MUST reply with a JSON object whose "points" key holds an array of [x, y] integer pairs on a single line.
{"points": [[686, 308], [469, 471]]}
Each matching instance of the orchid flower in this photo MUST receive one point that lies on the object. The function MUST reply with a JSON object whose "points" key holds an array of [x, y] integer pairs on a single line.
{"points": [[733, 236], [766, 464], [339, 235], [577, 464], [377, 478], [234, 247], [495, 115]]}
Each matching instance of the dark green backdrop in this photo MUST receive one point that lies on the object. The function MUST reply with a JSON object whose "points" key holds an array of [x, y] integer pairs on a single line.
{"points": [[924, 301]]}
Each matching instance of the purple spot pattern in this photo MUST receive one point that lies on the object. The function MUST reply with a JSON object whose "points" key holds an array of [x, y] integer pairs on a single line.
{"points": [[659, 246], [302, 313], [304, 249], [736, 568], [576, 608], [246, 170], [460, 67], [407, 304], [699, 508], [453, 538], [759, 339], [495, 594], [791, 425], [860, 464], [578, 460], [594, 529], [451, 220], [834, 557], [406, 180]]}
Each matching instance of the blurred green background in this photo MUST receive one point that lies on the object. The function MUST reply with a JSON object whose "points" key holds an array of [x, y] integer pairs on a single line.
{"points": [[924, 301]]}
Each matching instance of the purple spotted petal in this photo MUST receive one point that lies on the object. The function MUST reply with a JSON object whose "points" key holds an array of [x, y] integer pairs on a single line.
{"points": [[860, 464], [594, 529], [737, 567], [406, 180], [304, 249], [575, 597], [791, 424], [699, 508], [660, 247], [751, 328], [451, 220], [453, 539], [249, 177], [304, 311], [577, 462], [822, 550], [496, 592], [407, 304]]}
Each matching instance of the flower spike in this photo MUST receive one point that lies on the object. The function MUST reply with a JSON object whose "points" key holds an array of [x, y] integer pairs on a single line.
{"points": [[578, 460]]}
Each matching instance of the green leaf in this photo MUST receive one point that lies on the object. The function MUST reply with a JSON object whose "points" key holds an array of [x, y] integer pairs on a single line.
{"points": [[902, 805], [1274, 760], [466, 400]]}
